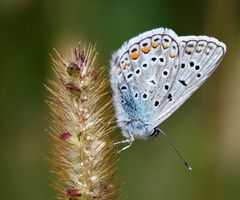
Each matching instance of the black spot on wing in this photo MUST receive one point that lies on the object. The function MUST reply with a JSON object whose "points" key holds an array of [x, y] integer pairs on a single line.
{"points": [[183, 82]]}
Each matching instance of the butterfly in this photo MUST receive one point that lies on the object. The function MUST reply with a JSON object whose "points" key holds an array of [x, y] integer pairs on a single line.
{"points": [[154, 73]]}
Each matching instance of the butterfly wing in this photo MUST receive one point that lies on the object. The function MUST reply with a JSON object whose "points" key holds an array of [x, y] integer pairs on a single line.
{"points": [[199, 56], [142, 72], [154, 73]]}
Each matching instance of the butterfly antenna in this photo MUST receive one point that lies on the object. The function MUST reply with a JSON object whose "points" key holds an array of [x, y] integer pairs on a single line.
{"points": [[176, 151]]}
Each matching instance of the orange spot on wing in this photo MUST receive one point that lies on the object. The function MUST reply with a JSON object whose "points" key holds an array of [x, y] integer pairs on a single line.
{"points": [[123, 66], [155, 44], [134, 55], [173, 54], [165, 45], [145, 49]]}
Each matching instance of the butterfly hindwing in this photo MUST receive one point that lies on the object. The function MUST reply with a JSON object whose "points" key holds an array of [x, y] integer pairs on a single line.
{"points": [[199, 57]]}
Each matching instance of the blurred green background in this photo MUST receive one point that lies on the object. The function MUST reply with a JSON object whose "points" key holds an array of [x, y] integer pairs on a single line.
{"points": [[206, 128]]}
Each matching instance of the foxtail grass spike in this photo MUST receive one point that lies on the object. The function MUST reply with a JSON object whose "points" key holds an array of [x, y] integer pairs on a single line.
{"points": [[83, 156]]}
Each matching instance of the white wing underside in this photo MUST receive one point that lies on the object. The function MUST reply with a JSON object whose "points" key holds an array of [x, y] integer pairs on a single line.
{"points": [[188, 61], [209, 58]]}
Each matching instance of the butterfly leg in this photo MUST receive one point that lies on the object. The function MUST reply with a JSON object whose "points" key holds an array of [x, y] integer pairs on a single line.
{"points": [[129, 142]]}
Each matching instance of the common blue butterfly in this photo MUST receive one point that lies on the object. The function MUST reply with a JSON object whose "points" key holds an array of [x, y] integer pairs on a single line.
{"points": [[154, 73]]}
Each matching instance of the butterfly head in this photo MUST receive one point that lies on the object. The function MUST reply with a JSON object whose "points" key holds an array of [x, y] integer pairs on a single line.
{"points": [[138, 129]]}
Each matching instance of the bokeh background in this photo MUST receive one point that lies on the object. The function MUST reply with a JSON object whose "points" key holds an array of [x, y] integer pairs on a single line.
{"points": [[206, 129]]}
